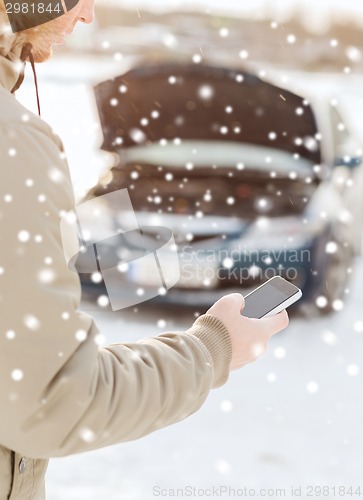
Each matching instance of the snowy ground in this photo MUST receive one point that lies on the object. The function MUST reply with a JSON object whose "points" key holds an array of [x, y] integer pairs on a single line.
{"points": [[292, 418]]}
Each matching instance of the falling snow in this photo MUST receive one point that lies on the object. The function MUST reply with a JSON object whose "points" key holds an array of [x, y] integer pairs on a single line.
{"points": [[81, 335], [17, 375]]}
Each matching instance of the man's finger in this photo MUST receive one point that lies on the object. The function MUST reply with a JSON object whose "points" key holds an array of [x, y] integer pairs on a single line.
{"points": [[276, 323]]}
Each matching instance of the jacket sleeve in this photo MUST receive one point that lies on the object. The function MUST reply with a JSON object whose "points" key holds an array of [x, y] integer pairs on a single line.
{"points": [[61, 392]]}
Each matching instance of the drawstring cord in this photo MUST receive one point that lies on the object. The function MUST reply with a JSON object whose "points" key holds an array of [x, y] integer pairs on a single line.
{"points": [[27, 53], [31, 58]]}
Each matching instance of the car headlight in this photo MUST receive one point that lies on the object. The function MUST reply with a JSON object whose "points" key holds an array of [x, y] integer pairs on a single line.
{"points": [[281, 232]]}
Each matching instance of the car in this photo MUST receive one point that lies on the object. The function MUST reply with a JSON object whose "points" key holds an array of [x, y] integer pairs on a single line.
{"points": [[252, 179]]}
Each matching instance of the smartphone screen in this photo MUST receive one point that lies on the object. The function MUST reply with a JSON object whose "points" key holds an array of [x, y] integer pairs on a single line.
{"points": [[269, 296]]}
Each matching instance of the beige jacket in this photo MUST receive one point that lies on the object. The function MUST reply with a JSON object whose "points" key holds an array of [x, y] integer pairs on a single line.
{"points": [[58, 395]]}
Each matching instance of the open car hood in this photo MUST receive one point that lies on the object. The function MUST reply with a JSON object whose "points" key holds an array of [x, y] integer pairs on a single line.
{"points": [[200, 102]]}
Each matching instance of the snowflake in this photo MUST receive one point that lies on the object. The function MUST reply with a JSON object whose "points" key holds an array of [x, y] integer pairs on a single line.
{"points": [[321, 301], [205, 92], [161, 323], [352, 370], [169, 40], [338, 305], [23, 236], [353, 53], [122, 267], [312, 387], [243, 54], [117, 56], [46, 276], [31, 322], [279, 352], [87, 435], [222, 466], [197, 58], [17, 375], [358, 326], [331, 247], [310, 144], [103, 301], [329, 337], [291, 38], [263, 204], [137, 135], [96, 277], [81, 335], [271, 377], [100, 339], [226, 406]]}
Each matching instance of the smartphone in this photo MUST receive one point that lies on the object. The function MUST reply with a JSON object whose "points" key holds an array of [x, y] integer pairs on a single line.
{"points": [[270, 298]]}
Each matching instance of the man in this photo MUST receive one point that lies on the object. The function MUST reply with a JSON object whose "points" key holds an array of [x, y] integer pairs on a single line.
{"points": [[60, 392]]}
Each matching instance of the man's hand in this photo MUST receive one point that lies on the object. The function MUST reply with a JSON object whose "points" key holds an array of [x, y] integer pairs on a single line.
{"points": [[249, 336]]}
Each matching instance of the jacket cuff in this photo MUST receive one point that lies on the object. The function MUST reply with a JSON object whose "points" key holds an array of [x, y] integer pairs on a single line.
{"points": [[215, 337]]}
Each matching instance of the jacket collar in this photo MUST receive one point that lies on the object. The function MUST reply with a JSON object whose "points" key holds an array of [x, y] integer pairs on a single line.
{"points": [[11, 64]]}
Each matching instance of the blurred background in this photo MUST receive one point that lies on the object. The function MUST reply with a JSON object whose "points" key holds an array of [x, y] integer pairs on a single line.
{"points": [[255, 109]]}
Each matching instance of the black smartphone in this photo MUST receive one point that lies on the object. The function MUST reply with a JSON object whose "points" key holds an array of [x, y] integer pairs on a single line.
{"points": [[270, 298]]}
